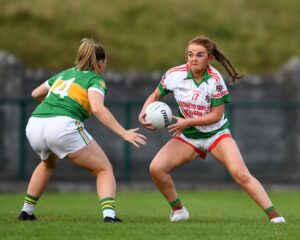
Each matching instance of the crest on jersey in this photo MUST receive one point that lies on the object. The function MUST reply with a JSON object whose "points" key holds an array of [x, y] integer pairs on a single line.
{"points": [[219, 88], [102, 84]]}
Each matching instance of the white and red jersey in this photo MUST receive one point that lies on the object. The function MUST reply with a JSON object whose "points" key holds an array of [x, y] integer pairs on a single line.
{"points": [[196, 99]]}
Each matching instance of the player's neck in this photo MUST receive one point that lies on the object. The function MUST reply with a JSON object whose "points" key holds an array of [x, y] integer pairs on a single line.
{"points": [[198, 76]]}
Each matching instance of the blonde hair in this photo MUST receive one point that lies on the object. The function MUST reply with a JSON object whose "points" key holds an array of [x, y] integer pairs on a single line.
{"points": [[213, 50], [89, 54]]}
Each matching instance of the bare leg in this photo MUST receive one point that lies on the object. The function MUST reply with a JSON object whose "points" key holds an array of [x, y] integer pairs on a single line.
{"points": [[38, 183], [41, 176], [165, 161], [94, 159], [229, 155]]}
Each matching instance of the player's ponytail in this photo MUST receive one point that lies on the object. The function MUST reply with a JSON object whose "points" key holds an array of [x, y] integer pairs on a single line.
{"points": [[89, 54], [213, 50]]}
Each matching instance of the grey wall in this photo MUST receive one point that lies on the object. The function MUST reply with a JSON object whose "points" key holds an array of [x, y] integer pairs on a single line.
{"points": [[264, 115]]}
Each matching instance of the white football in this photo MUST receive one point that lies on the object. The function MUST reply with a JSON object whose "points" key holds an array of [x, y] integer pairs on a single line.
{"points": [[159, 114]]}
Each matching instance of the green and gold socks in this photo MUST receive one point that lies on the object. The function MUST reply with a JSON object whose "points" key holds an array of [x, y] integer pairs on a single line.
{"points": [[29, 203], [108, 206]]}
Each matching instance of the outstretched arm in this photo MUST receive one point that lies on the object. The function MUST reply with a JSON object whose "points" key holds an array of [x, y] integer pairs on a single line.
{"points": [[96, 101]]}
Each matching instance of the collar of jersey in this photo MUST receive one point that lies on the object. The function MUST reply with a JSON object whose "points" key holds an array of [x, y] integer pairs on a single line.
{"points": [[206, 76]]}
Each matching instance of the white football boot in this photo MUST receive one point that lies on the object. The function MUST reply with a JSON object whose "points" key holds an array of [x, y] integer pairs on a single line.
{"points": [[278, 220], [179, 215]]}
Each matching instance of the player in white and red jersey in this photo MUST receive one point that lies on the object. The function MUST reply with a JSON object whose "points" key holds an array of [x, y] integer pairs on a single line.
{"points": [[201, 127]]}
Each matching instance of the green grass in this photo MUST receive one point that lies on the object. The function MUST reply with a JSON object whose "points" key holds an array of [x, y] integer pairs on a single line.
{"points": [[214, 215], [142, 35]]}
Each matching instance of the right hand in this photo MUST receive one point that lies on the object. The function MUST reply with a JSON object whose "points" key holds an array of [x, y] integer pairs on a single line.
{"points": [[144, 123], [133, 137]]}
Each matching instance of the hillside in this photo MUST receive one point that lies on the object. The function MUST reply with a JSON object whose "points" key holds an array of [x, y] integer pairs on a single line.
{"points": [[142, 35]]}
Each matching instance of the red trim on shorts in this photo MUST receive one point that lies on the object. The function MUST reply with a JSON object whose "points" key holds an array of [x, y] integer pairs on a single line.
{"points": [[202, 154], [214, 144]]}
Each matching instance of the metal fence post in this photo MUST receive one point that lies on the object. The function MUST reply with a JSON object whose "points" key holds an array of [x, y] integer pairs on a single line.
{"points": [[22, 139], [127, 147]]}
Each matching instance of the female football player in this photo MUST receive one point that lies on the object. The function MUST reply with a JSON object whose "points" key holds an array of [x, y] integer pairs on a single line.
{"points": [[202, 126], [55, 130]]}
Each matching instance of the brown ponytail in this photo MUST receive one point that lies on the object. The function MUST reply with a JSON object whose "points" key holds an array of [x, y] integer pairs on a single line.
{"points": [[89, 54], [213, 50]]}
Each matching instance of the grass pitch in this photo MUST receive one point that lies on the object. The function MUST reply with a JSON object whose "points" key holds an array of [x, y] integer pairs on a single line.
{"points": [[214, 215]]}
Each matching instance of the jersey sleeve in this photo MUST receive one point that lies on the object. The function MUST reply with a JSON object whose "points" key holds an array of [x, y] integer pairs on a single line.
{"points": [[51, 80], [97, 84], [163, 86], [220, 94], [47, 85]]}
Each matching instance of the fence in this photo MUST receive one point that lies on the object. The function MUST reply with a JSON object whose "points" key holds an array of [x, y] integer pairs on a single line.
{"points": [[254, 116]]}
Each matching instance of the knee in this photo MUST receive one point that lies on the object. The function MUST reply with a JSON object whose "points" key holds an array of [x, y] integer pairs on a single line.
{"points": [[105, 169], [153, 169], [156, 170], [242, 177], [108, 169], [160, 175]]}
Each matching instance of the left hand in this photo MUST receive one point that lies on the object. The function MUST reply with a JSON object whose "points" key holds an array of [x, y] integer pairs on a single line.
{"points": [[178, 127], [142, 120], [134, 137]]}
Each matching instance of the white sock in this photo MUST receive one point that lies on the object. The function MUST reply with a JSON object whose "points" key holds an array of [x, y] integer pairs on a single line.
{"points": [[109, 213], [29, 208]]}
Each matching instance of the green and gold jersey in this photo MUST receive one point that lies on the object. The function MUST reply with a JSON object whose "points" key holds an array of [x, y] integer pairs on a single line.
{"points": [[68, 94]]}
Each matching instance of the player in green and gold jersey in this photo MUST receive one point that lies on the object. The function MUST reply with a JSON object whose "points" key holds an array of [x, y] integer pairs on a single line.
{"points": [[55, 130]]}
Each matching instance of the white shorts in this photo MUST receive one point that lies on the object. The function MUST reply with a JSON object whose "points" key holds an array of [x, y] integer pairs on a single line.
{"points": [[204, 145], [59, 135]]}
